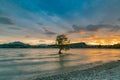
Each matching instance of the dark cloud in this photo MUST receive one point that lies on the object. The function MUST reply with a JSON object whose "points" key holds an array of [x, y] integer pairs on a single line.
{"points": [[5, 20], [118, 19], [91, 27], [27, 36], [94, 27], [14, 28], [48, 32], [102, 26], [40, 23], [76, 28]]}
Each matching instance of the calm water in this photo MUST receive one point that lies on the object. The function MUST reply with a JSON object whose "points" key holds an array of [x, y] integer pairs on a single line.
{"points": [[24, 64]]}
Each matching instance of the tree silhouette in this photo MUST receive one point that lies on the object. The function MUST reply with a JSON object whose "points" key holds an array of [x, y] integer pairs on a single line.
{"points": [[62, 42]]}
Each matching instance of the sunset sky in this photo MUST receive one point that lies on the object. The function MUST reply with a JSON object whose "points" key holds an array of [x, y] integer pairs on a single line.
{"points": [[40, 21]]}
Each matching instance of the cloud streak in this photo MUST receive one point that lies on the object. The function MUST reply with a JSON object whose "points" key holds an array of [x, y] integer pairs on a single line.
{"points": [[6, 20], [48, 31], [14, 28], [118, 19]]}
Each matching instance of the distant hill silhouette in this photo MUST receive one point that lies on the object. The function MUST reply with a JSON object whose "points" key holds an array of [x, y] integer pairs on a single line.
{"points": [[18, 44], [72, 45], [78, 45]]}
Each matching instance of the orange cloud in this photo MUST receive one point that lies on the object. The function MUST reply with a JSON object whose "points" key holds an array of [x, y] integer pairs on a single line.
{"points": [[82, 32]]}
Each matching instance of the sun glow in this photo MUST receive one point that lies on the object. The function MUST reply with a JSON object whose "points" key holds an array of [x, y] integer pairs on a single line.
{"points": [[104, 42], [98, 41]]}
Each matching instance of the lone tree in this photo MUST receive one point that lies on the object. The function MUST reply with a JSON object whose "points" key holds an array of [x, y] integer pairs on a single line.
{"points": [[62, 42]]}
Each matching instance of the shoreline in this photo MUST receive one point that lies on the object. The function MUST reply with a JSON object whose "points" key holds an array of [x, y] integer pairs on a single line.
{"points": [[105, 71]]}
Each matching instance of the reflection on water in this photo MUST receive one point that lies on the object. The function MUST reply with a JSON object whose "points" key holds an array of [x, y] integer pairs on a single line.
{"points": [[20, 64]]}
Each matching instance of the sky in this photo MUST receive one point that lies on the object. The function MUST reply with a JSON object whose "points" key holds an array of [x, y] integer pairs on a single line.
{"points": [[40, 21]]}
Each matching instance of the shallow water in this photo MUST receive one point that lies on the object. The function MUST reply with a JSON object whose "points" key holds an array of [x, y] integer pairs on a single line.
{"points": [[24, 64]]}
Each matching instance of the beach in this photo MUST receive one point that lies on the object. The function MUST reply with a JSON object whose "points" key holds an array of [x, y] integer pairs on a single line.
{"points": [[106, 71]]}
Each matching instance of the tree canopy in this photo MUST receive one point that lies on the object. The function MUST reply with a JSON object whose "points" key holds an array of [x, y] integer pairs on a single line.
{"points": [[62, 41]]}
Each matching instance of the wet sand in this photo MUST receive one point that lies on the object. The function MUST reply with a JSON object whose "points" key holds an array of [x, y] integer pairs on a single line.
{"points": [[106, 71]]}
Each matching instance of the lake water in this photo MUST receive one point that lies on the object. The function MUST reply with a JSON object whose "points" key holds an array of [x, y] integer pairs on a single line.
{"points": [[26, 64]]}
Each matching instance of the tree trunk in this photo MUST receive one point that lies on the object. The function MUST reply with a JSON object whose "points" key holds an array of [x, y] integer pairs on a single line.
{"points": [[60, 51]]}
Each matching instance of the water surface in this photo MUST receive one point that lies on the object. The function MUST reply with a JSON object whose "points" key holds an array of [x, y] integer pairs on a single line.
{"points": [[24, 64]]}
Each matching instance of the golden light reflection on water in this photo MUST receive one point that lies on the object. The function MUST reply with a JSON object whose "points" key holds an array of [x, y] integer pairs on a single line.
{"points": [[40, 61], [84, 56], [92, 55], [69, 58]]}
